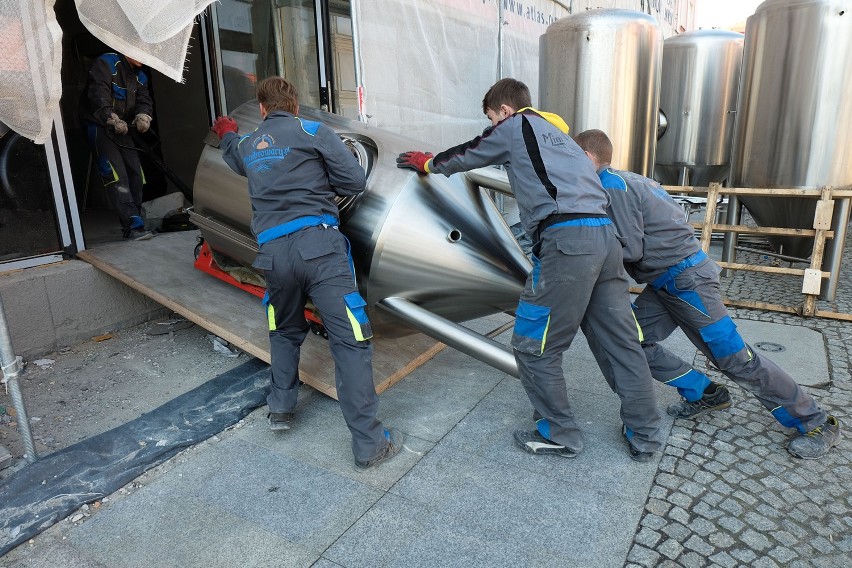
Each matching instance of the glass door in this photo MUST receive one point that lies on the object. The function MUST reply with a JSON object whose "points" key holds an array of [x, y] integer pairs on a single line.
{"points": [[39, 223], [309, 42]]}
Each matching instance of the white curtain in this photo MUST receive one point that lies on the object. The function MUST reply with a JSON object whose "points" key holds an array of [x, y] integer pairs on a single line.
{"points": [[426, 64], [30, 61], [156, 32]]}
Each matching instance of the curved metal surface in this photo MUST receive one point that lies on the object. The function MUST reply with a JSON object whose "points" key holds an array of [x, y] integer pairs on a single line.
{"points": [[491, 178], [698, 95], [458, 337], [437, 242], [601, 69], [794, 125]]}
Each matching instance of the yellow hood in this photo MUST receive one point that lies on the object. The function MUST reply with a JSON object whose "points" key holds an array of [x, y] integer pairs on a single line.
{"points": [[550, 117]]}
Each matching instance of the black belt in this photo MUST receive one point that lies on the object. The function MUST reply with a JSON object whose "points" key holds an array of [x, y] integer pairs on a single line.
{"points": [[562, 217]]}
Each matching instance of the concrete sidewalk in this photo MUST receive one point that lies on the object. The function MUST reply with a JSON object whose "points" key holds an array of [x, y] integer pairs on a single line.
{"points": [[460, 494], [724, 492]]}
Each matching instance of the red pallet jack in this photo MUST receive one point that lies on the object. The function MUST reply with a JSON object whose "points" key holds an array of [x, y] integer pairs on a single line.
{"points": [[205, 262]]}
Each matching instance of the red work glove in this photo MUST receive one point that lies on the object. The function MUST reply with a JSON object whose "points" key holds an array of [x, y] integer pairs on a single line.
{"points": [[223, 125], [417, 161]]}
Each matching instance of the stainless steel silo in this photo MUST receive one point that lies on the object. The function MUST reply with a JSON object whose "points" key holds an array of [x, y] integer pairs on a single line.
{"points": [[698, 96], [429, 251], [601, 69], [794, 124]]}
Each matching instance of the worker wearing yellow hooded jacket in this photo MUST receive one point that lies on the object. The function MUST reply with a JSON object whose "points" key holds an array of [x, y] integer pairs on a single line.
{"points": [[577, 280]]}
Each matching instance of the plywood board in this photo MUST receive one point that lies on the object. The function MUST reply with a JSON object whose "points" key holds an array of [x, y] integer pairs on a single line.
{"points": [[162, 269]]}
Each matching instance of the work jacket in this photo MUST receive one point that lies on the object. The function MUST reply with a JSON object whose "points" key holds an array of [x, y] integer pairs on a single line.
{"points": [[547, 170], [115, 86], [295, 169], [655, 227]]}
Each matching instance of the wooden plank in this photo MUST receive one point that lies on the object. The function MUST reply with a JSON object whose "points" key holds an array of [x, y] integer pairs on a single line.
{"points": [[162, 269], [810, 289], [761, 306], [756, 191], [709, 216], [762, 230], [766, 269]]}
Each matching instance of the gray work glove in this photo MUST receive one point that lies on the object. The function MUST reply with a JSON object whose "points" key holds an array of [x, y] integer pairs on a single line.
{"points": [[142, 123], [117, 124]]}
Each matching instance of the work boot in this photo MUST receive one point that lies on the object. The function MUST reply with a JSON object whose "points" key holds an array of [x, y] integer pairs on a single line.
{"points": [[395, 439], [533, 442], [715, 397], [816, 443], [279, 421], [635, 453], [138, 235]]}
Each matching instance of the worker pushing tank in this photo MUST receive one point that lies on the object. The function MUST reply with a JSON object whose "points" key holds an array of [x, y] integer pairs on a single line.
{"points": [[295, 169]]}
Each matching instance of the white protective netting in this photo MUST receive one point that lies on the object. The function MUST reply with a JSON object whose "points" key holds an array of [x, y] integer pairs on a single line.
{"points": [[30, 61], [426, 64], [155, 32]]}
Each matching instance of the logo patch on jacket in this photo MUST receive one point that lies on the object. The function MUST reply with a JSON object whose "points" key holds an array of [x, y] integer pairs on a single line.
{"points": [[265, 153]]}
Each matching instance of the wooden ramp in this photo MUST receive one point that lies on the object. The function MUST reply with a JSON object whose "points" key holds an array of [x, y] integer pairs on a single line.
{"points": [[162, 269]]}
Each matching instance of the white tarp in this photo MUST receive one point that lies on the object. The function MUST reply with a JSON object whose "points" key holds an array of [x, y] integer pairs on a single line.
{"points": [[156, 32], [30, 61], [425, 64]]}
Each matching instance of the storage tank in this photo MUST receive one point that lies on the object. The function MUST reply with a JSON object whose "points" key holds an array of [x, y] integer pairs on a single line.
{"points": [[794, 125], [698, 96], [429, 251], [601, 69]]}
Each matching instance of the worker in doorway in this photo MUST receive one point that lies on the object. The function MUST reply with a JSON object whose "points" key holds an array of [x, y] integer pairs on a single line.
{"points": [[295, 169], [577, 281], [683, 291], [116, 99]]}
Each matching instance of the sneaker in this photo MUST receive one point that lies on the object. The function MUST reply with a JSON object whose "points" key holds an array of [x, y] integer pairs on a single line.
{"points": [[138, 235], [393, 447], [716, 399], [534, 443], [279, 421], [635, 453], [817, 442]]}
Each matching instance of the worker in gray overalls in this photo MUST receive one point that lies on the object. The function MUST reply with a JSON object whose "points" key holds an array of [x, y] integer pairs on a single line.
{"points": [[683, 291], [577, 280], [115, 99], [295, 169]]}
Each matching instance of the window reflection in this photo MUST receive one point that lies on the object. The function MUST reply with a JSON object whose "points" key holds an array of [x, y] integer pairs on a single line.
{"points": [[28, 224], [279, 37], [247, 48]]}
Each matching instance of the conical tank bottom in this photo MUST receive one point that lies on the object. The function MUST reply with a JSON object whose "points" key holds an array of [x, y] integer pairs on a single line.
{"points": [[445, 247], [794, 213]]}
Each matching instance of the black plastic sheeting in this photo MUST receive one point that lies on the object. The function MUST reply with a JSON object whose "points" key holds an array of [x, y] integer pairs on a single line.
{"points": [[48, 490]]}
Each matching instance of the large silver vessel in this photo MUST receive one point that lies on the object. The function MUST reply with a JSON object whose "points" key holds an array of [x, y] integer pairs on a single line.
{"points": [[698, 97], [794, 125], [601, 69], [429, 251]]}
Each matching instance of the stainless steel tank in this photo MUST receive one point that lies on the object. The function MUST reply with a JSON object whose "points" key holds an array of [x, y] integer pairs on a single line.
{"points": [[601, 69], [437, 245], [794, 124], [698, 96]]}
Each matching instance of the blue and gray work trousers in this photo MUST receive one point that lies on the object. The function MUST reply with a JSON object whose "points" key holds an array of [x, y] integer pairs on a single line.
{"points": [[688, 296], [121, 172], [314, 262], [578, 281]]}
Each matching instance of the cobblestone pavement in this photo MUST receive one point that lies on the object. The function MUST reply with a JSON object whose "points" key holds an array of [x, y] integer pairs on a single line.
{"points": [[727, 493]]}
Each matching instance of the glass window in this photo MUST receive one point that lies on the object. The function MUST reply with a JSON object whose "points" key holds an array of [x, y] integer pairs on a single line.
{"points": [[299, 57], [279, 37], [247, 48], [28, 225]]}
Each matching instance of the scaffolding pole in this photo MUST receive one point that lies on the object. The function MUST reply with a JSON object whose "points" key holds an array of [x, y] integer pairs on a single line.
{"points": [[11, 367]]}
